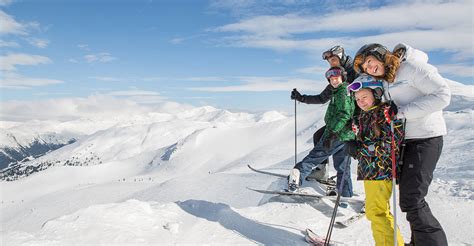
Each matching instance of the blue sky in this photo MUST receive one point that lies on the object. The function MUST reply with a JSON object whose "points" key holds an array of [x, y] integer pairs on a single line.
{"points": [[238, 55]]}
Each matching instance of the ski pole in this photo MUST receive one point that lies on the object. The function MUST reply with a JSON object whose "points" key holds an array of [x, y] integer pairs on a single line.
{"points": [[394, 191], [294, 89], [402, 148], [336, 206]]}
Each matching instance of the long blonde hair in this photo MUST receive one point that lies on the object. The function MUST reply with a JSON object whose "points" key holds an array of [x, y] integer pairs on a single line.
{"points": [[391, 64]]}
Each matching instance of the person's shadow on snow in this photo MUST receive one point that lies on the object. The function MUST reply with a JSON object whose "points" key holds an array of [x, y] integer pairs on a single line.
{"points": [[253, 230]]}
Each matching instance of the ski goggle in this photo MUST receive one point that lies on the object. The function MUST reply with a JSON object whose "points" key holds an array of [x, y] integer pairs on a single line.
{"points": [[378, 51], [357, 85], [327, 54], [333, 73], [334, 51]]}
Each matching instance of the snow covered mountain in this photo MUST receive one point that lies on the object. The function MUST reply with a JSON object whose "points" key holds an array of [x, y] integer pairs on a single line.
{"points": [[14, 150], [161, 134], [180, 177]]}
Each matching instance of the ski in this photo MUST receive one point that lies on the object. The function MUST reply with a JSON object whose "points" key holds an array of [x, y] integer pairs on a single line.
{"points": [[349, 220], [346, 222], [266, 172], [328, 182], [312, 196], [316, 240]]}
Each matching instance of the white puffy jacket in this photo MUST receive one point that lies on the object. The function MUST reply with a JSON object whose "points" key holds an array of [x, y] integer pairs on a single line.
{"points": [[420, 93]]}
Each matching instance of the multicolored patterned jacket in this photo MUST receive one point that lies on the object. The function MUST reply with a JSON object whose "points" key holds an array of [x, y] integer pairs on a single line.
{"points": [[374, 141]]}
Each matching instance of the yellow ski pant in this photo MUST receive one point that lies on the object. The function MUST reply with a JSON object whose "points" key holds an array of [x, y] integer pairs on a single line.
{"points": [[377, 209]]}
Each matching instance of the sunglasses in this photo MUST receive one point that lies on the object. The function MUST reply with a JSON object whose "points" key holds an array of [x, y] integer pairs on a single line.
{"points": [[357, 85], [333, 73]]}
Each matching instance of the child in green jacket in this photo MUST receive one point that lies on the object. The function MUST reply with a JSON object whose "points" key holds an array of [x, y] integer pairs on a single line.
{"points": [[338, 130]]}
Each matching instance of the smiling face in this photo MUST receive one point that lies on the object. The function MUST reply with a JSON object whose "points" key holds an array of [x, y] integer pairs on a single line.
{"points": [[335, 81], [373, 66], [364, 98]]}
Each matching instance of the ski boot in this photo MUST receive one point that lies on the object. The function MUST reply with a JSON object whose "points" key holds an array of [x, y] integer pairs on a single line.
{"points": [[331, 191], [318, 173], [294, 180]]}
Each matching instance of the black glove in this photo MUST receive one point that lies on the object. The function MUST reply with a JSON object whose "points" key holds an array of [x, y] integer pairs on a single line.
{"points": [[351, 148], [393, 110], [295, 95]]}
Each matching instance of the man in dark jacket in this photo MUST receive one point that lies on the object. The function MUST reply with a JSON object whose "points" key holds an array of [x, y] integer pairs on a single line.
{"points": [[335, 57]]}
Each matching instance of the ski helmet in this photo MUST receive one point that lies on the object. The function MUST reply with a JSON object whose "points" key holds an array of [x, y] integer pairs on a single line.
{"points": [[335, 51], [373, 49], [367, 81], [336, 71]]}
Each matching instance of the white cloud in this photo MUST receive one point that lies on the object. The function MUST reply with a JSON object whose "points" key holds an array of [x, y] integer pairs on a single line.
{"points": [[99, 57], [151, 79], [399, 17], [197, 79], [105, 78], [84, 47], [8, 25], [133, 93], [313, 70], [266, 84], [97, 106], [231, 4], [278, 60], [205, 79], [8, 62], [460, 69], [255, 7], [10, 44], [16, 81], [139, 96], [177, 40], [70, 108], [40, 43], [417, 23], [12, 80]]}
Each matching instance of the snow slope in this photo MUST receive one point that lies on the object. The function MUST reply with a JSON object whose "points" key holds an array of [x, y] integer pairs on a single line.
{"points": [[181, 178]]}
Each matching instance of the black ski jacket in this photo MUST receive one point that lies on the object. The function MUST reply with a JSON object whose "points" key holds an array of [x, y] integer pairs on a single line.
{"points": [[348, 65], [322, 98]]}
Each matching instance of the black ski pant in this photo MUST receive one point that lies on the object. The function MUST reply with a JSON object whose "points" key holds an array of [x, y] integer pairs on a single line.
{"points": [[316, 137], [419, 163]]}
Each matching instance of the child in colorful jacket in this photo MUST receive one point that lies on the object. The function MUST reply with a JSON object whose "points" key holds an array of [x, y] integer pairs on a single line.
{"points": [[373, 149]]}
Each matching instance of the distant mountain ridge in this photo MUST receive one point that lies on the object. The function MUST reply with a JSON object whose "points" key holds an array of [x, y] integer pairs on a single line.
{"points": [[37, 146]]}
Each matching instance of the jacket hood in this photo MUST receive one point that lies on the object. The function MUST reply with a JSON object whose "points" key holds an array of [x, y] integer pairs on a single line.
{"points": [[411, 54]]}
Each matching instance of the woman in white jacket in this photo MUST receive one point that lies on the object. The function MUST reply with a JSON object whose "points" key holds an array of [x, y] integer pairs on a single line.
{"points": [[421, 94]]}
